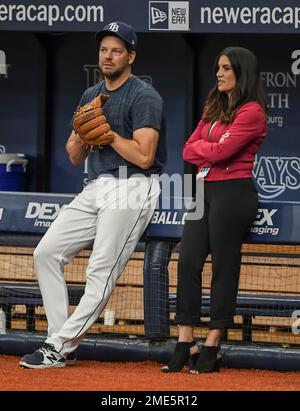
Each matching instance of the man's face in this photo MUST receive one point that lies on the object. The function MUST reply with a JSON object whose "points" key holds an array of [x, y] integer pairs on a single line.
{"points": [[114, 58]]}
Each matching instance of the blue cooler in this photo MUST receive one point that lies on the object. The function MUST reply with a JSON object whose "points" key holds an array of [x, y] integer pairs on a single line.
{"points": [[13, 172]]}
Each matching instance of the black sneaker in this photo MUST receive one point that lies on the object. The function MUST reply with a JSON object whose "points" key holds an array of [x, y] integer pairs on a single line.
{"points": [[71, 358], [44, 357]]}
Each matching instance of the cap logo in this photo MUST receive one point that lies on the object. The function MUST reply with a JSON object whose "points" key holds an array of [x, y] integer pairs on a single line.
{"points": [[113, 27]]}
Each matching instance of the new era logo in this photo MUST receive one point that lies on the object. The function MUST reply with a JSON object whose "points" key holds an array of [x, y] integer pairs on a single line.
{"points": [[169, 15], [157, 15]]}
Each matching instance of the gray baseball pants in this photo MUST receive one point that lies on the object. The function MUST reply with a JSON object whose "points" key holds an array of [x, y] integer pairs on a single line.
{"points": [[113, 213]]}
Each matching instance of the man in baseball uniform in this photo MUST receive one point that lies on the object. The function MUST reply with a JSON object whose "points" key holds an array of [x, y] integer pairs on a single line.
{"points": [[115, 207]]}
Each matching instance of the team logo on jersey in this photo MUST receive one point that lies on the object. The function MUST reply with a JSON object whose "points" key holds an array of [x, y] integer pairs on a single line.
{"points": [[169, 15], [275, 175]]}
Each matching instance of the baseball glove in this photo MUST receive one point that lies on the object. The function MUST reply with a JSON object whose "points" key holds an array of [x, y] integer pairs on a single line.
{"points": [[91, 125]]}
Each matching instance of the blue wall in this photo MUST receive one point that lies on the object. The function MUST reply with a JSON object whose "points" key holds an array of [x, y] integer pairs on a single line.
{"points": [[168, 68], [179, 66], [19, 97], [277, 168]]}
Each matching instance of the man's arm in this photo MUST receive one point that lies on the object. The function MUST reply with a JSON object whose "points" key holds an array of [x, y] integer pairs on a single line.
{"points": [[141, 149], [76, 149]]}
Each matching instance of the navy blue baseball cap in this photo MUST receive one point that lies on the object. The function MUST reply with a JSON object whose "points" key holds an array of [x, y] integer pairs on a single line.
{"points": [[120, 29]]}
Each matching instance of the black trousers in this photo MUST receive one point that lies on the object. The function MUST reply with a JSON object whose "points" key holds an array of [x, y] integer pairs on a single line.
{"points": [[230, 206]]}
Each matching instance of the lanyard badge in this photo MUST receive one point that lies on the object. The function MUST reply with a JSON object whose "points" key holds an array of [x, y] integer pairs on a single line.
{"points": [[202, 173]]}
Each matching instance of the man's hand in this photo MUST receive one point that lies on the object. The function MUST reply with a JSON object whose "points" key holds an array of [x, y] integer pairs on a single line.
{"points": [[91, 125]]}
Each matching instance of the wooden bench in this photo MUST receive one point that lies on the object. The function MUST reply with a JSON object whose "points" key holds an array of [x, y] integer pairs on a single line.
{"points": [[20, 296], [142, 295], [269, 291]]}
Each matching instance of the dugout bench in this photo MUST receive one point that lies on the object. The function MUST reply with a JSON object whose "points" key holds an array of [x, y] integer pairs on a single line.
{"points": [[161, 239], [248, 306]]}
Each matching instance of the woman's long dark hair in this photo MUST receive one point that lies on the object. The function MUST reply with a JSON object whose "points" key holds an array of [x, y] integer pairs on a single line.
{"points": [[248, 87]]}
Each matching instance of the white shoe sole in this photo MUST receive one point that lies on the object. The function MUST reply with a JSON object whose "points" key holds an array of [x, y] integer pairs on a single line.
{"points": [[23, 364]]}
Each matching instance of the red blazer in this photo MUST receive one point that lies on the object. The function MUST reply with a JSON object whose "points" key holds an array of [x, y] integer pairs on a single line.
{"points": [[232, 158]]}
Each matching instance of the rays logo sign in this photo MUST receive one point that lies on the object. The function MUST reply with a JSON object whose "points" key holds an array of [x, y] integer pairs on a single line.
{"points": [[275, 175], [169, 15]]}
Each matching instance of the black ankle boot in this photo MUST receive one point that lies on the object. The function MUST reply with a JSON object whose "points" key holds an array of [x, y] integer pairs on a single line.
{"points": [[181, 357], [207, 360]]}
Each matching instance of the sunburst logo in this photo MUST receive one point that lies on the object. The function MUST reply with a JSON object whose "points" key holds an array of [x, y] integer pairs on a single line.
{"points": [[275, 175]]}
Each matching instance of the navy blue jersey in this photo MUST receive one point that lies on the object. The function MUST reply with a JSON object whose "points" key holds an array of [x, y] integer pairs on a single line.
{"points": [[134, 105]]}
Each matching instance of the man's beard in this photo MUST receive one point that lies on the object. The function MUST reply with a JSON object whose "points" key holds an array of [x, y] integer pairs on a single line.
{"points": [[115, 74]]}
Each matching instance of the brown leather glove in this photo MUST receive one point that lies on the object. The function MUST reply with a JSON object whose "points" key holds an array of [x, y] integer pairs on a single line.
{"points": [[91, 125]]}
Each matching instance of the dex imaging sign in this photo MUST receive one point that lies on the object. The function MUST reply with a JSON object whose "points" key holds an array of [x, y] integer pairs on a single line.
{"points": [[169, 15]]}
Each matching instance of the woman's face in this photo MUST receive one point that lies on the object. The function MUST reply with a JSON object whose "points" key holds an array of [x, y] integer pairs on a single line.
{"points": [[225, 76]]}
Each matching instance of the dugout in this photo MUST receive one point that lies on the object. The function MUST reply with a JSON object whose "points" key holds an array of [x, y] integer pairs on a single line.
{"points": [[49, 57]]}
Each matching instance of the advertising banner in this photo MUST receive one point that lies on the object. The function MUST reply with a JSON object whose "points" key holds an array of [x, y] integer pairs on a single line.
{"points": [[34, 213], [48, 57], [196, 16]]}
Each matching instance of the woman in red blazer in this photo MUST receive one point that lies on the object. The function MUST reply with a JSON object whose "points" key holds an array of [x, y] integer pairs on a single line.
{"points": [[223, 147]]}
